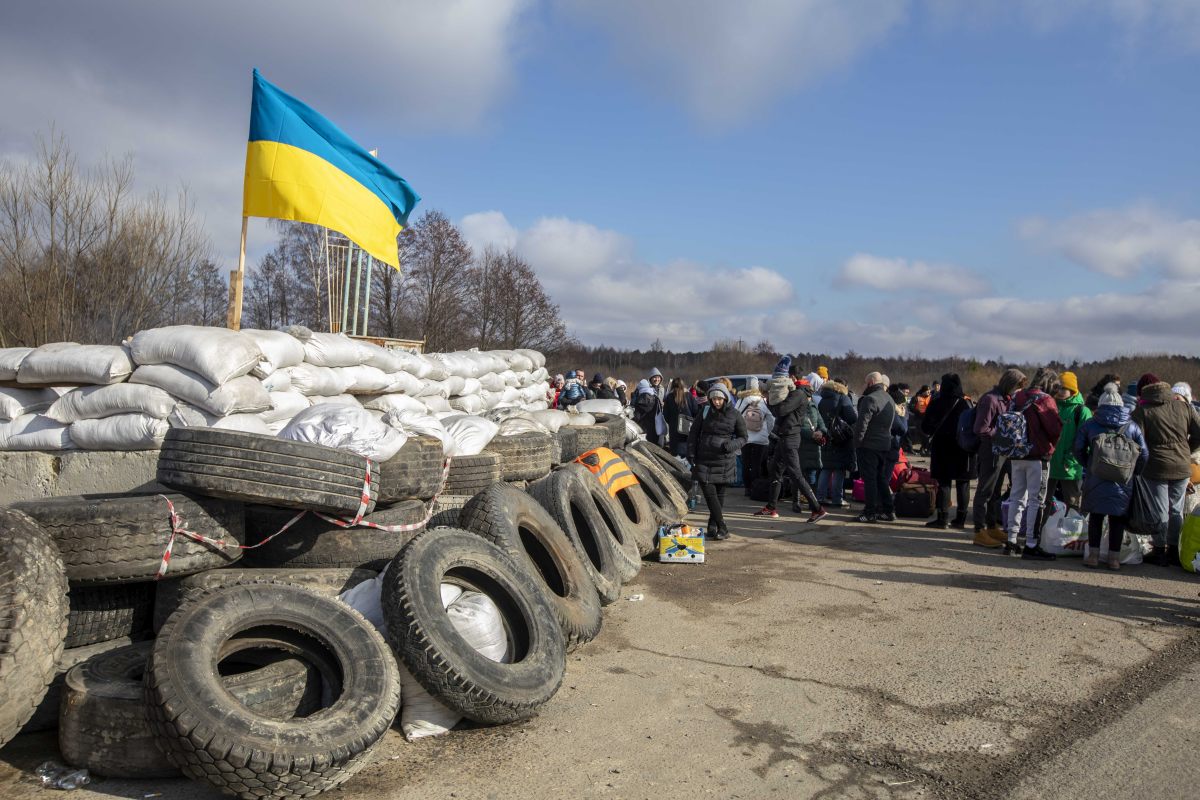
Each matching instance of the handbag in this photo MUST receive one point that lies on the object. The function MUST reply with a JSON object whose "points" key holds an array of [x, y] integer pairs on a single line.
{"points": [[683, 424]]}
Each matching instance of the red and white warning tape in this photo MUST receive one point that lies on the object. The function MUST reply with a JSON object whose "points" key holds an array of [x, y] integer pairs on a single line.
{"points": [[178, 526]]}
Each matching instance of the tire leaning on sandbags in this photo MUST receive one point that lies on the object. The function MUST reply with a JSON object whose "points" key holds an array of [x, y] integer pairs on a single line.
{"points": [[628, 520], [170, 593], [103, 725], [314, 542], [103, 613], [516, 523], [575, 441], [566, 498], [666, 461], [121, 538], [470, 475], [615, 425], [426, 641], [33, 618], [523, 456], [212, 737], [414, 473], [667, 501], [255, 468]]}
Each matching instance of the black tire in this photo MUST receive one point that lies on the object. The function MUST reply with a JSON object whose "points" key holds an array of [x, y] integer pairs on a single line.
{"points": [[615, 426], [575, 441], [103, 725], [666, 461], [120, 538], [330, 582], [213, 738], [513, 521], [667, 500], [255, 468], [414, 473], [628, 521], [440, 659], [447, 509], [568, 501], [470, 475], [103, 613], [313, 542], [33, 618], [523, 456], [46, 716]]}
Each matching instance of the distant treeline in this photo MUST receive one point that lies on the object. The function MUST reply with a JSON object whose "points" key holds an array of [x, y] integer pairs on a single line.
{"points": [[978, 376]]}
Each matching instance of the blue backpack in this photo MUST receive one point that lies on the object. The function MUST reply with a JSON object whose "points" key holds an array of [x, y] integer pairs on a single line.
{"points": [[1012, 433], [965, 433]]}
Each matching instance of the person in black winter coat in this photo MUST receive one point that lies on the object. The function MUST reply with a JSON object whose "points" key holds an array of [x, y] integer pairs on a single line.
{"points": [[837, 457], [873, 444], [949, 463], [789, 405], [601, 389], [646, 410], [679, 410], [717, 435]]}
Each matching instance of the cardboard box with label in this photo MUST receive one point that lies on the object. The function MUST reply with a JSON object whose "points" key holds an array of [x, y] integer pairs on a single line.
{"points": [[681, 544]]}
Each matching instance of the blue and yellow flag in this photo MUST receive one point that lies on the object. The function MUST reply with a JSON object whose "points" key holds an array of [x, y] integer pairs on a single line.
{"points": [[301, 166]]}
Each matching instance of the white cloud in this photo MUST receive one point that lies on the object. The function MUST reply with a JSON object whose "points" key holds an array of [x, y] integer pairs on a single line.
{"points": [[1122, 243], [732, 59], [488, 229], [900, 274], [1174, 21]]}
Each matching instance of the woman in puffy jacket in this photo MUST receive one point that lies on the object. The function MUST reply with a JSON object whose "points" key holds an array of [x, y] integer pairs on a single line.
{"points": [[1107, 499], [717, 434], [837, 456], [949, 465], [759, 422], [679, 410]]}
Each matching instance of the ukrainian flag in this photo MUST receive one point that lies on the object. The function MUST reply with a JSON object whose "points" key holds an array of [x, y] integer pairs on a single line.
{"points": [[301, 166]]}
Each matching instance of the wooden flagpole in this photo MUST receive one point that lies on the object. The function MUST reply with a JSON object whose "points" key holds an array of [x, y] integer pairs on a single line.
{"points": [[236, 280]]}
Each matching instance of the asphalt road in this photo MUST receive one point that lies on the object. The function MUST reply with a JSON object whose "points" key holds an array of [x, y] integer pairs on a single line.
{"points": [[834, 661]]}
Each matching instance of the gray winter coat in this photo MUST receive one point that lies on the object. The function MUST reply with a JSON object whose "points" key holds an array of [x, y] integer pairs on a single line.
{"points": [[873, 431]]}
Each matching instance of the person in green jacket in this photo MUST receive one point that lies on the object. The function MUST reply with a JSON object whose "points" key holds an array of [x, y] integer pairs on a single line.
{"points": [[813, 434], [1066, 473]]}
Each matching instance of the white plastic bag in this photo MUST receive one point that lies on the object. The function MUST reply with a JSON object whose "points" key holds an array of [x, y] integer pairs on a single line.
{"points": [[334, 350], [97, 402], [35, 432], [18, 402], [64, 363], [10, 361], [346, 428], [470, 434], [1064, 532], [313, 381], [242, 395], [612, 407], [120, 432], [1133, 547], [216, 354], [279, 349]]}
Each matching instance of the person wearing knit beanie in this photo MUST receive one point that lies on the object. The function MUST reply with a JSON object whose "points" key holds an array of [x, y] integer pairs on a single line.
{"points": [[1070, 381], [1111, 396], [1066, 472], [1145, 381], [823, 372]]}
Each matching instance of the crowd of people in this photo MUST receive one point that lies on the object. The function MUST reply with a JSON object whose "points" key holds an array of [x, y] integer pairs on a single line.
{"points": [[1110, 455]]}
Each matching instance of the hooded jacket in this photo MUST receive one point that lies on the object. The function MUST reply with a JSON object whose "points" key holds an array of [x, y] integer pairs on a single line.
{"points": [[715, 440], [835, 403], [876, 411], [789, 415], [661, 390], [646, 408], [810, 451], [1107, 497], [1042, 424], [1064, 466], [1172, 430], [948, 462]]}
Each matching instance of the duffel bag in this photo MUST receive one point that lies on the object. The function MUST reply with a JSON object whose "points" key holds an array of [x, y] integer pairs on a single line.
{"points": [[916, 500]]}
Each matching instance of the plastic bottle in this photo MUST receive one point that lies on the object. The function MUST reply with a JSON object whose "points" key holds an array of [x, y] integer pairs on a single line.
{"points": [[57, 776]]}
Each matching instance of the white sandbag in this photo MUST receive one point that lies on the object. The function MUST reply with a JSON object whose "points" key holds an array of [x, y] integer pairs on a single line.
{"points": [[278, 381], [511, 394], [541, 374], [471, 386], [421, 423], [491, 382], [300, 332], [97, 402], [534, 356], [612, 407], [633, 432], [394, 403], [581, 419], [120, 432], [436, 404], [278, 349], [18, 402], [188, 416], [380, 357], [513, 426], [284, 405], [364, 379], [242, 395], [216, 354], [431, 388], [337, 400], [35, 432], [413, 364], [470, 434], [246, 423], [453, 364], [334, 350], [490, 399], [404, 383], [511, 378], [470, 404], [538, 405], [455, 385], [10, 361], [345, 428], [552, 419], [70, 363], [273, 428], [521, 363], [312, 380]]}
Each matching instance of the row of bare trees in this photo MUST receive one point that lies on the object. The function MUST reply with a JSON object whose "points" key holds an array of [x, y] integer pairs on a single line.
{"points": [[83, 259]]}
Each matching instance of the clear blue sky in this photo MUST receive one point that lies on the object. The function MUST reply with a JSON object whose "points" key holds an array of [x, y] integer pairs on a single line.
{"points": [[935, 176]]}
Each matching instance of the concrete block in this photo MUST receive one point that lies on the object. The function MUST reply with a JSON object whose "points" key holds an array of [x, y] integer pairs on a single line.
{"points": [[28, 475]]}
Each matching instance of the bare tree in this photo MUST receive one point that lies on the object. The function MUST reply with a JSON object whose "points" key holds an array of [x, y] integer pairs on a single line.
{"points": [[514, 309], [439, 261], [391, 303]]}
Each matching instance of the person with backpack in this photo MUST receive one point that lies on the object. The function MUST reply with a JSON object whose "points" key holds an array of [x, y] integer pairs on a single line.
{"points": [[837, 454], [1113, 448], [992, 466], [1093, 399], [950, 465], [759, 422], [789, 405], [872, 445], [647, 411], [1172, 431], [1027, 435], [1066, 473], [679, 411], [716, 436]]}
